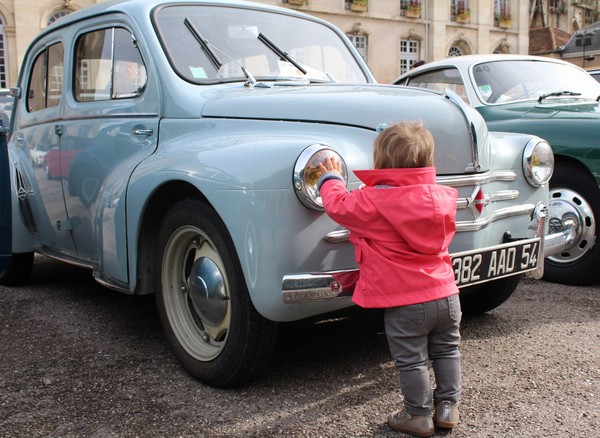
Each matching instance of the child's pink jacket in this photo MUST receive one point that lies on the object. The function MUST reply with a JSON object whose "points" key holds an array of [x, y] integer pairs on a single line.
{"points": [[401, 225]]}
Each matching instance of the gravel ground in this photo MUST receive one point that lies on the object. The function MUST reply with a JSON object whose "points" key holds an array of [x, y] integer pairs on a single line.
{"points": [[79, 360]]}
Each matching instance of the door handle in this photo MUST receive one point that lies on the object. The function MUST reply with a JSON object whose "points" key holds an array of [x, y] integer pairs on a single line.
{"points": [[146, 132]]}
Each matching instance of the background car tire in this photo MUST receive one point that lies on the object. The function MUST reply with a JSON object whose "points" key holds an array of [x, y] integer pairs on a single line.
{"points": [[19, 270], [221, 342], [573, 186], [481, 298]]}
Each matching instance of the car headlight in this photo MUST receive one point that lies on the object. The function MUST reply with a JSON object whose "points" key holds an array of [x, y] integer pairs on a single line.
{"points": [[306, 174], [538, 162]]}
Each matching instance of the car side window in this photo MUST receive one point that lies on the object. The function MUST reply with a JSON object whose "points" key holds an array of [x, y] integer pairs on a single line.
{"points": [[440, 80], [108, 65], [46, 79]]}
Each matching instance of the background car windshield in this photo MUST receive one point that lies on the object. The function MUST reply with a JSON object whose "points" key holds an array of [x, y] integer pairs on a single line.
{"points": [[232, 35], [508, 81]]}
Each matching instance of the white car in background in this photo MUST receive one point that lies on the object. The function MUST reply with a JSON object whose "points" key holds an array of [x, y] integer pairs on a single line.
{"points": [[37, 154]]}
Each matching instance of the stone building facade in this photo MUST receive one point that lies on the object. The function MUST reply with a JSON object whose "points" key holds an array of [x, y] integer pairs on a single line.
{"points": [[391, 35]]}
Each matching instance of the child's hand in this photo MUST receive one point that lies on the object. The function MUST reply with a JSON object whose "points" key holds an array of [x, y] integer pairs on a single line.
{"points": [[331, 164]]}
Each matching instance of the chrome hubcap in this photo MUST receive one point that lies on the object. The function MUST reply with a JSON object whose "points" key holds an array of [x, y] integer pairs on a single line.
{"points": [[207, 291], [566, 208]]}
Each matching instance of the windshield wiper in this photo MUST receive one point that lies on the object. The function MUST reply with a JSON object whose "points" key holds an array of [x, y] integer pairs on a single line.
{"points": [[282, 55], [208, 48], [558, 93], [204, 44]]}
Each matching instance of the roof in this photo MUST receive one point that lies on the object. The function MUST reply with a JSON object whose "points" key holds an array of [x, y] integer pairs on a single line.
{"points": [[544, 40], [466, 60]]}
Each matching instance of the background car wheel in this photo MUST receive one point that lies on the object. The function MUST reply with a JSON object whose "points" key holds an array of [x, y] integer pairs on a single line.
{"points": [[574, 194], [19, 270], [202, 300], [482, 298]]}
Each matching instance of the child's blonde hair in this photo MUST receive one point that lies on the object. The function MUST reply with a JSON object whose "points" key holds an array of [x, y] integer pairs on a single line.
{"points": [[404, 144]]}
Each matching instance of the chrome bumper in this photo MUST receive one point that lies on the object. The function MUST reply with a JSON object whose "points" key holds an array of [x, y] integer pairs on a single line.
{"points": [[338, 285]]}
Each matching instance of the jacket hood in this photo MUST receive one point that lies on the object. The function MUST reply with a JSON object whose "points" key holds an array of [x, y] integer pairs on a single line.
{"points": [[419, 210]]}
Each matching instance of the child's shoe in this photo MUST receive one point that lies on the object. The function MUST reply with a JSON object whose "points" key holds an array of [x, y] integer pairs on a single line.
{"points": [[446, 414], [418, 425]]}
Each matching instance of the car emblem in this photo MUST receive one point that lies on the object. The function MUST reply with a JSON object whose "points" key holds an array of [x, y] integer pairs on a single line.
{"points": [[477, 201]]}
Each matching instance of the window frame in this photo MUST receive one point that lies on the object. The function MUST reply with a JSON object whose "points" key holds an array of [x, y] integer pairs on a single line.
{"points": [[47, 72], [410, 56], [85, 81], [455, 81]]}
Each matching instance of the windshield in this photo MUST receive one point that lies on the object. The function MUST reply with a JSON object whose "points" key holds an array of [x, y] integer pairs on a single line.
{"points": [[210, 44], [509, 81]]}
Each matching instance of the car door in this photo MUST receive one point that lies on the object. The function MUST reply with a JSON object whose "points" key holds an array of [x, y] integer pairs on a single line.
{"points": [[37, 125], [110, 125]]}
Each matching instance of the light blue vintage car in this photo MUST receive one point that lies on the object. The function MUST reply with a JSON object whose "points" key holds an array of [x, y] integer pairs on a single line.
{"points": [[182, 139]]}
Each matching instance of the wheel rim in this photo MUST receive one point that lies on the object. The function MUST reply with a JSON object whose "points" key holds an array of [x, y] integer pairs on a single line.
{"points": [[196, 293], [568, 205]]}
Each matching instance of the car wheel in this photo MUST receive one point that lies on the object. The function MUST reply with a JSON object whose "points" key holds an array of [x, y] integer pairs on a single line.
{"points": [[574, 195], [19, 270], [202, 300], [481, 298]]}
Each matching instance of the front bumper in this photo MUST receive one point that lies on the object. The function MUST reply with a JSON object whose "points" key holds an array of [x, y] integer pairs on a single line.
{"points": [[338, 285]]}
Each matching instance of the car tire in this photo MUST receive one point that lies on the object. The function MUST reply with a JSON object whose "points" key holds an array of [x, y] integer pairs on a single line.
{"points": [[573, 191], [481, 298], [202, 299], [19, 270]]}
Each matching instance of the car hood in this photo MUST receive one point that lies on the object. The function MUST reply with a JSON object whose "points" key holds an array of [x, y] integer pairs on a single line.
{"points": [[360, 106]]}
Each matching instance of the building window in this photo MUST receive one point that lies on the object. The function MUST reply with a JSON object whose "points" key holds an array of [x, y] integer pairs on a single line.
{"points": [[501, 12], [3, 55], [360, 42], [57, 15], [409, 54], [410, 8], [455, 51], [357, 5], [459, 10]]}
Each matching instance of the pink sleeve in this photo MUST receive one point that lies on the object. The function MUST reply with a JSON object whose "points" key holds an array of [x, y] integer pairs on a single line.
{"points": [[352, 210]]}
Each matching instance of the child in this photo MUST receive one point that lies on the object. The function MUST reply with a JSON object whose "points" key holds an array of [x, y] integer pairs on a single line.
{"points": [[401, 225]]}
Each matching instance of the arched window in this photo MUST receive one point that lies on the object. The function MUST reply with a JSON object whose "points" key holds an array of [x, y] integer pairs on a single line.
{"points": [[58, 14], [502, 48], [455, 51], [3, 55]]}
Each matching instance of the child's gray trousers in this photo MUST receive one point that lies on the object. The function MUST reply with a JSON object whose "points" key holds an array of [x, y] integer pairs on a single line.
{"points": [[418, 334]]}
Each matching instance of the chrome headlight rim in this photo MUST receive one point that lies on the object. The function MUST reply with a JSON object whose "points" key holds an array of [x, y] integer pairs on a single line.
{"points": [[538, 162], [307, 193]]}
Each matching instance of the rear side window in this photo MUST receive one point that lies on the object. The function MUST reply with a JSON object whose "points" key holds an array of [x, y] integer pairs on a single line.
{"points": [[46, 79], [439, 80], [108, 65]]}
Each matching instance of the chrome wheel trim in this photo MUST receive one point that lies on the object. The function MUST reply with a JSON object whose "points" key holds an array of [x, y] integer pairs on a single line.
{"points": [[202, 339], [568, 205]]}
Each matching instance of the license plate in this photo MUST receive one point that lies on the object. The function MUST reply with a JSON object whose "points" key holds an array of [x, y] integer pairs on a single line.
{"points": [[473, 267]]}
